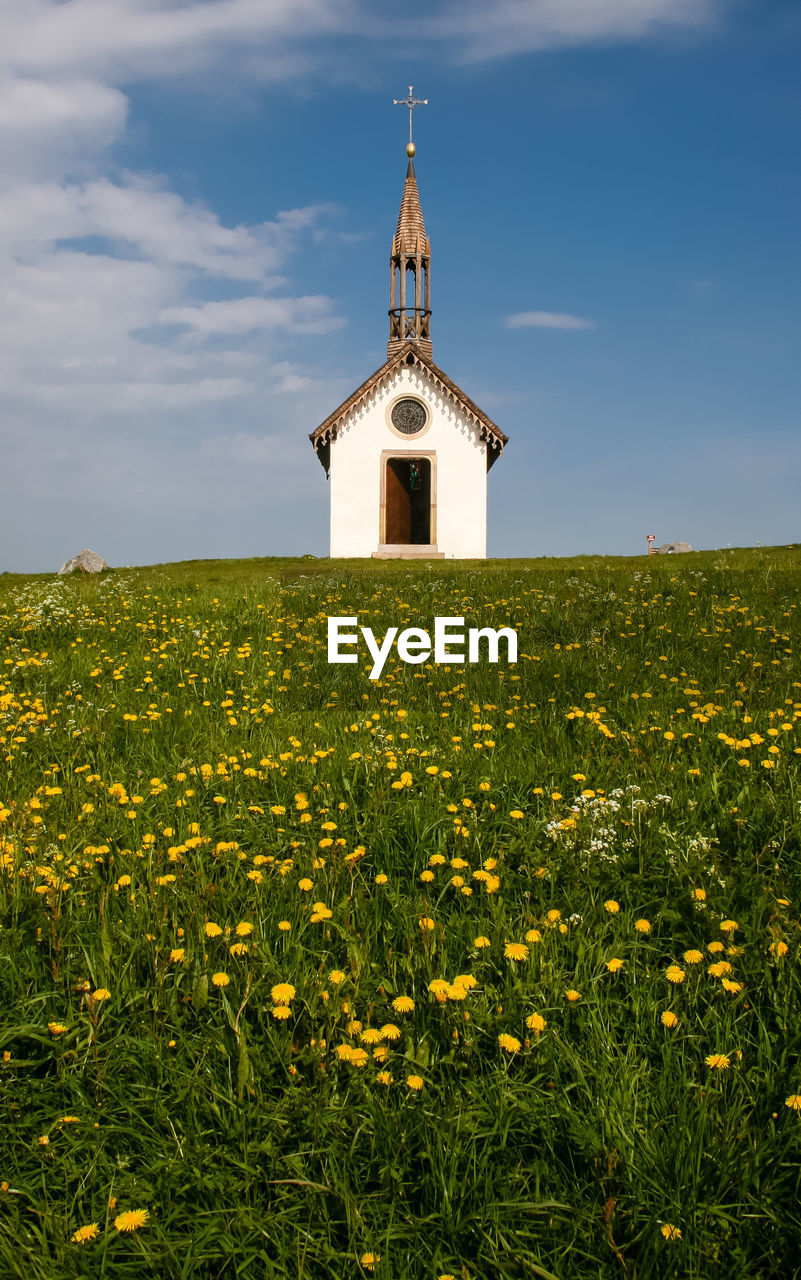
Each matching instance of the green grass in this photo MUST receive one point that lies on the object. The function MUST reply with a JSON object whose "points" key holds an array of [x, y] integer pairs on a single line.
{"points": [[175, 749]]}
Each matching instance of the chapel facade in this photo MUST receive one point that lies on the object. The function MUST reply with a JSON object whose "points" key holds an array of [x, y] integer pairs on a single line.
{"points": [[407, 454]]}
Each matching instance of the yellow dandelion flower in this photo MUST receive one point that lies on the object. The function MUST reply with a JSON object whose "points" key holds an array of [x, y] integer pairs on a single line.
{"points": [[57, 1028], [728, 926], [243, 929], [220, 979], [415, 1083], [572, 995], [100, 995], [516, 951], [674, 973], [368, 1260], [282, 993], [510, 1044], [793, 1102], [381, 878], [614, 965], [536, 1023], [403, 1004], [212, 930], [177, 955], [642, 926], [86, 1233], [384, 1077], [533, 935], [718, 1061], [390, 1032], [284, 926], [132, 1220], [481, 942], [693, 957], [358, 1057], [371, 1035], [611, 906], [669, 1019], [280, 1012], [336, 977], [670, 1232]]}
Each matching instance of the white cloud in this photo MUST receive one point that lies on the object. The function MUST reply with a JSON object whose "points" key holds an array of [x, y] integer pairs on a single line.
{"points": [[703, 288], [480, 31], [135, 39], [142, 214], [73, 322], [48, 127], [278, 40], [243, 315], [547, 320]]}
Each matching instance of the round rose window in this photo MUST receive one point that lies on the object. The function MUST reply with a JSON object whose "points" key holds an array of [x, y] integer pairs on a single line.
{"points": [[408, 416]]}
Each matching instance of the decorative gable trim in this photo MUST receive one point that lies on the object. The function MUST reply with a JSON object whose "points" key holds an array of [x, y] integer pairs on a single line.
{"points": [[488, 430]]}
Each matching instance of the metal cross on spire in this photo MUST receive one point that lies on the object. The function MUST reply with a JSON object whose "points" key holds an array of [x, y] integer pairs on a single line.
{"points": [[411, 102]]}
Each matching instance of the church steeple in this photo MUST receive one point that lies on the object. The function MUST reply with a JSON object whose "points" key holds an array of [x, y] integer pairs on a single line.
{"points": [[410, 263], [410, 274]]}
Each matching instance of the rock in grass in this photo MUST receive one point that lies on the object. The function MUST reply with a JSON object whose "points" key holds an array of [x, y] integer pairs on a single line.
{"points": [[672, 548], [86, 561]]}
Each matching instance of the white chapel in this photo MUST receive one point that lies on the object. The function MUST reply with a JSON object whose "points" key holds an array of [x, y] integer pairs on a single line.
{"points": [[407, 454]]}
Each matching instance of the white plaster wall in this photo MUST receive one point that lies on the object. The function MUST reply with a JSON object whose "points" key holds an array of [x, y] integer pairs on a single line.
{"points": [[461, 470]]}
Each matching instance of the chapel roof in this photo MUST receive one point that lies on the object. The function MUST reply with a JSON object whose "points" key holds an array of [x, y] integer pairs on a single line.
{"points": [[488, 430], [410, 234]]}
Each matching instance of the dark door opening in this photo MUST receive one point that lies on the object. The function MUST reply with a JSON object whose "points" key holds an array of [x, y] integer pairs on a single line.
{"points": [[408, 498]]}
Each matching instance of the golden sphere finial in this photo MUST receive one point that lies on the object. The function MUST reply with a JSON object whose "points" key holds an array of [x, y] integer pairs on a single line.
{"points": [[410, 149]]}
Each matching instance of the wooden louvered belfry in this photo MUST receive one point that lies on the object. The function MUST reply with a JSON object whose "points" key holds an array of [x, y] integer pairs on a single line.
{"points": [[410, 275]]}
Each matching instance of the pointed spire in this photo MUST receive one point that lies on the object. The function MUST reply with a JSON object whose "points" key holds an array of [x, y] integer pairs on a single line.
{"points": [[410, 236], [410, 274]]}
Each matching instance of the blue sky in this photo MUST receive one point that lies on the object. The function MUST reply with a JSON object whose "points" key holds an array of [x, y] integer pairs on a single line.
{"points": [[196, 207]]}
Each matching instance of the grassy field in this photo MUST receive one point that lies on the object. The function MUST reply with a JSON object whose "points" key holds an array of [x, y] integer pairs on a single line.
{"points": [[472, 971]]}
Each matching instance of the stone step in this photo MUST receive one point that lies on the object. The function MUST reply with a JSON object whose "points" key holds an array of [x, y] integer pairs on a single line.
{"points": [[408, 551]]}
